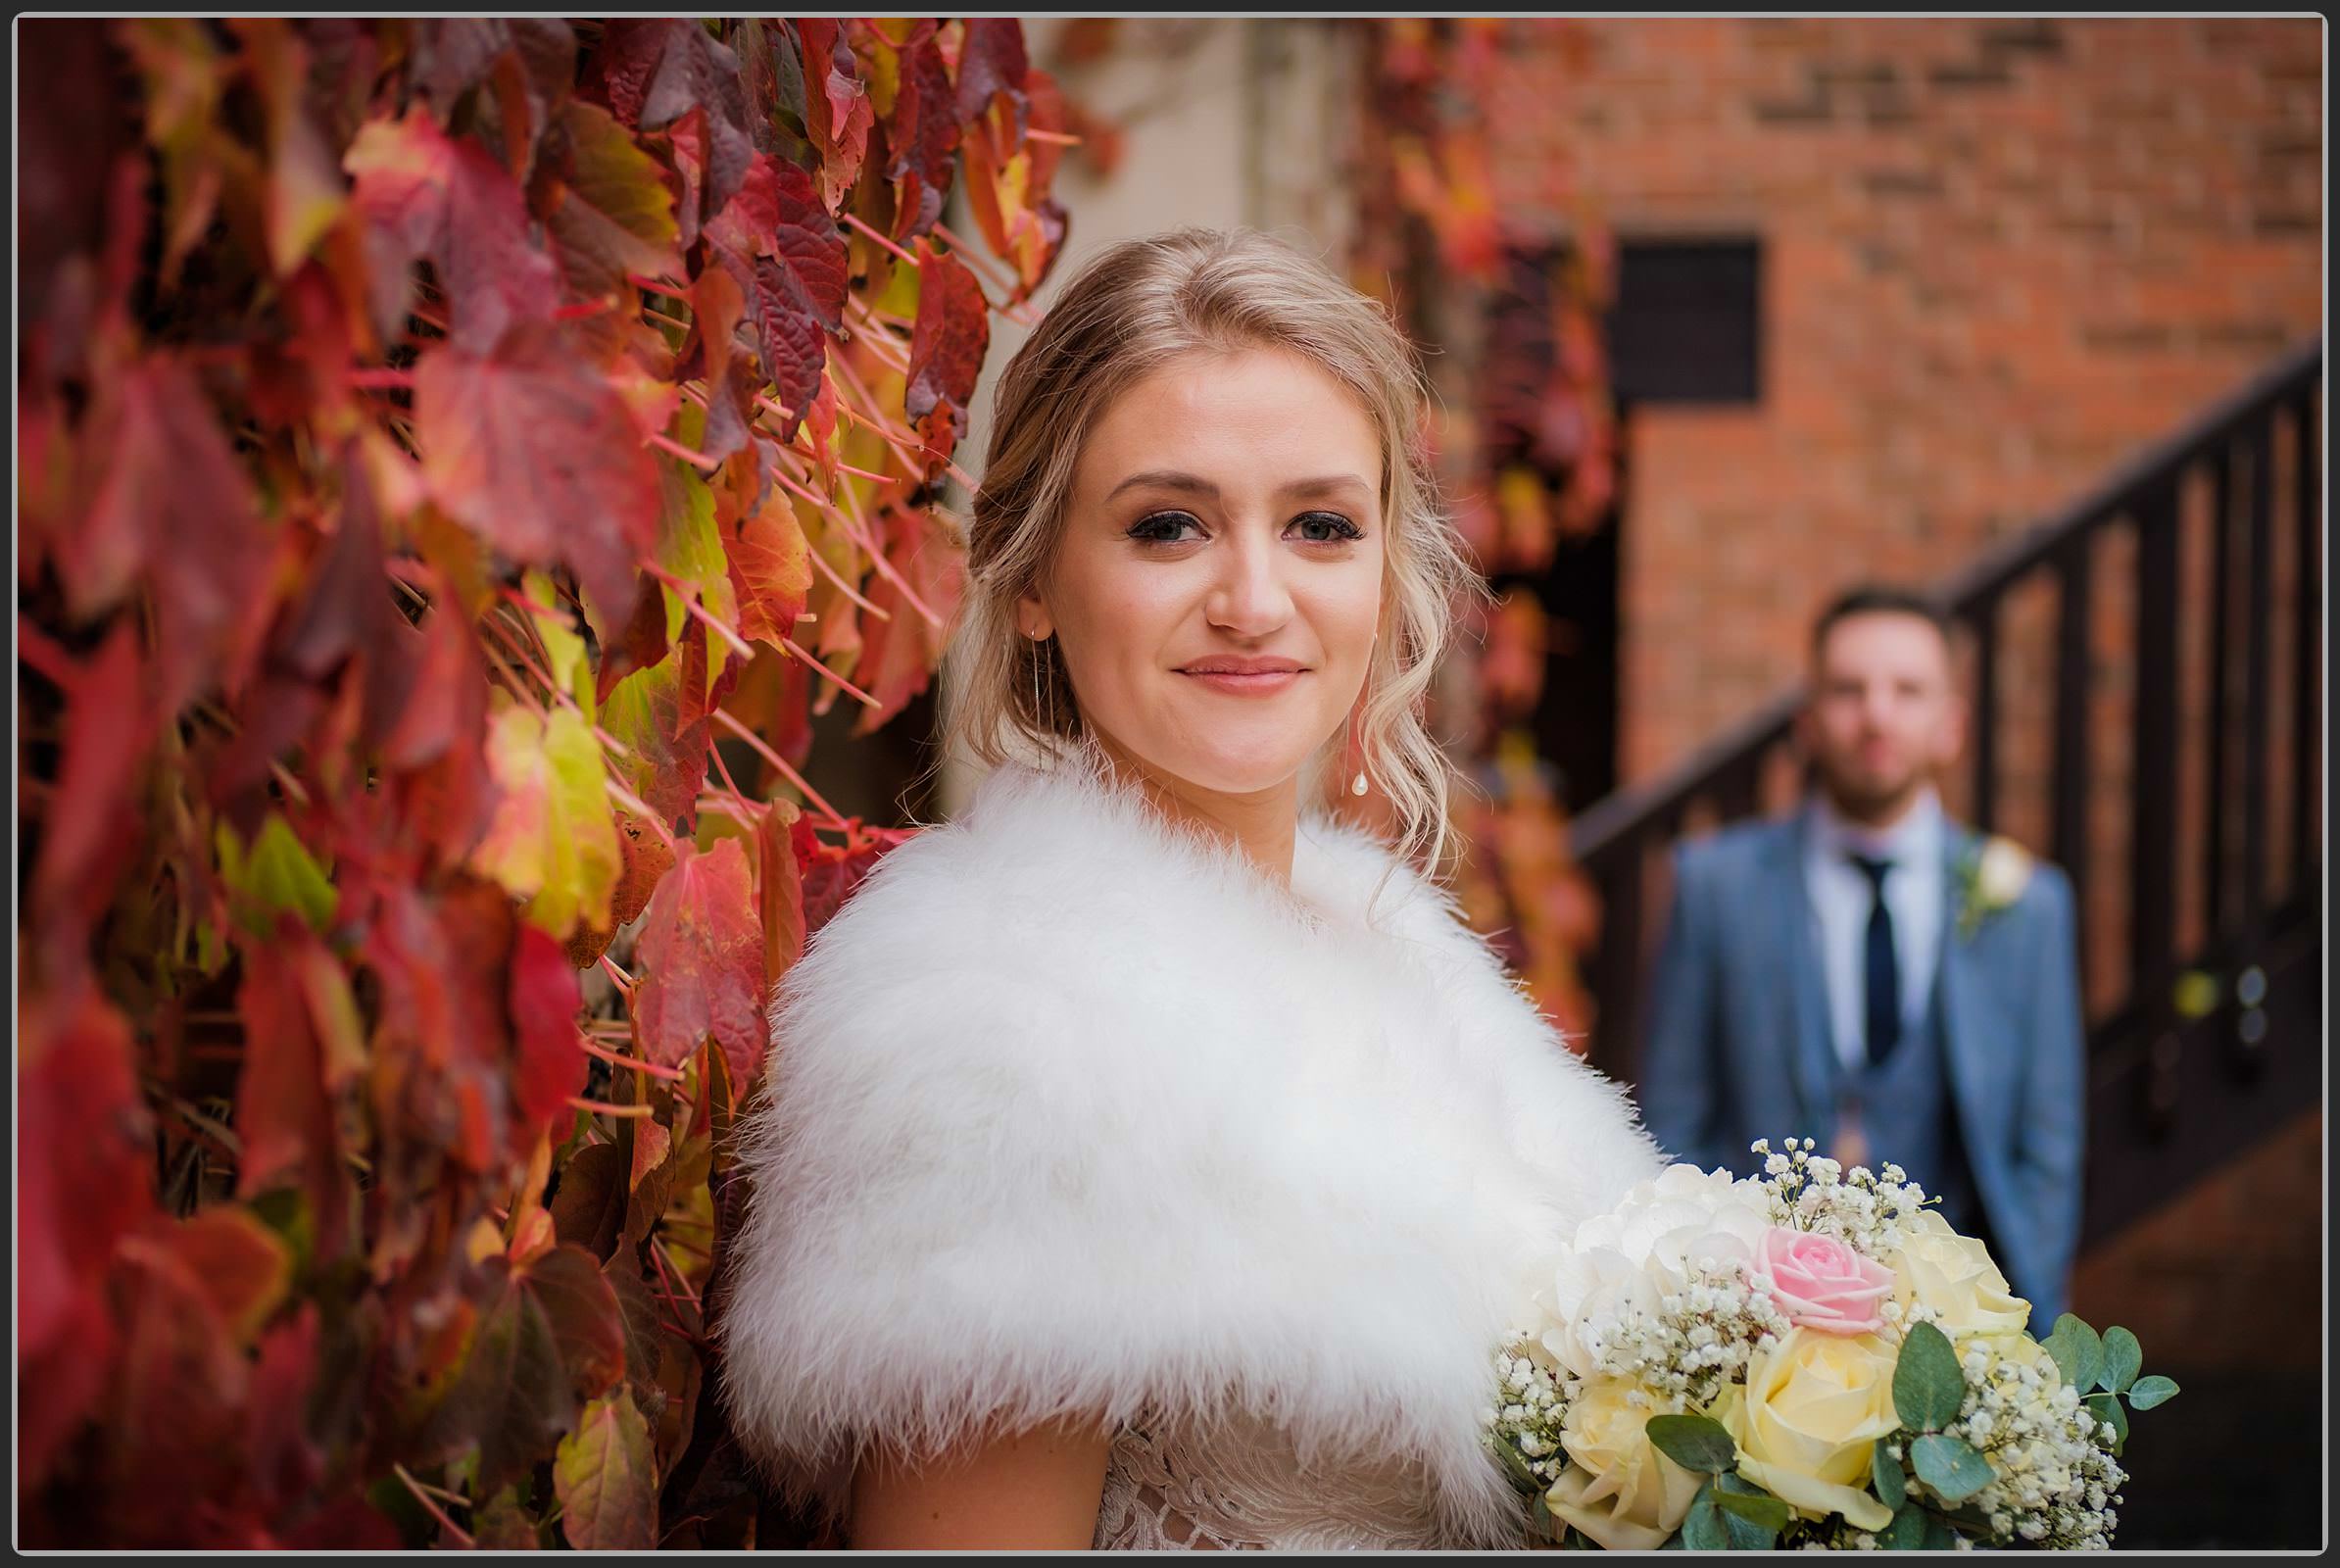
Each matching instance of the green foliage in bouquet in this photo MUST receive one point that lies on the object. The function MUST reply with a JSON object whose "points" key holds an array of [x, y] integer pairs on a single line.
{"points": [[1831, 1366]]}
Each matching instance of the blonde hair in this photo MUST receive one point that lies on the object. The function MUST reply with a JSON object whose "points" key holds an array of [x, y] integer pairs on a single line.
{"points": [[1129, 312]]}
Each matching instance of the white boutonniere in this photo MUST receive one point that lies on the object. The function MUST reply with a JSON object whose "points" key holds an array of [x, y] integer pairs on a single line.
{"points": [[1991, 878]]}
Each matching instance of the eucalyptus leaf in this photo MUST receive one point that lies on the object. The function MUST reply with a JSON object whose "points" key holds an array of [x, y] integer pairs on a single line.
{"points": [[2107, 1408], [1745, 1535], [2146, 1393], [1702, 1528], [2065, 1351], [1769, 1513], [1907, 1531], [1517, 1463], [1949, 1466], [1541, 1514], [1693, 1442], [2125, 1357], [1927, 1386], [1940, 1537], [1885, 1471], [2090, 1361]]}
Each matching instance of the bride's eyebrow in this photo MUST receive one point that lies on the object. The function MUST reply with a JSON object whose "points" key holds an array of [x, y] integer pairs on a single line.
{"points": [[1195, 484]]}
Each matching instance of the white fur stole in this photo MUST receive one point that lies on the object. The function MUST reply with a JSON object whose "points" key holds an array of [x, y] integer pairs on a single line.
{"points": [[1072, 1109]]}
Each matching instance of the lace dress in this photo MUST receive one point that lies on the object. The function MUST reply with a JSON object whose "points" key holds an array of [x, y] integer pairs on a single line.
{"points": [[1244, 1489]]}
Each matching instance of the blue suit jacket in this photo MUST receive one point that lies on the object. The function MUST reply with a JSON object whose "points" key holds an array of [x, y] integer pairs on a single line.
{"points": [[1737, 1044]]}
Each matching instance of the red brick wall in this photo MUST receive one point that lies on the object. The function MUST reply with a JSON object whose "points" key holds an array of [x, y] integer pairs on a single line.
{"points": [[2001, 255]]}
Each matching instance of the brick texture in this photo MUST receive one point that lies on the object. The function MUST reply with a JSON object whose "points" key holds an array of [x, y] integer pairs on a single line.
{"points": [[2001, 256]]}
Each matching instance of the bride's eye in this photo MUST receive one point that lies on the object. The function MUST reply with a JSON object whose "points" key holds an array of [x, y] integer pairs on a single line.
{"points": [[1343, 530], [1161, 528]]}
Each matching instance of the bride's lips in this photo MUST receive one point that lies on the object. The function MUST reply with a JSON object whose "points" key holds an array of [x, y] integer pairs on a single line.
{"points": [[1245, 683]]}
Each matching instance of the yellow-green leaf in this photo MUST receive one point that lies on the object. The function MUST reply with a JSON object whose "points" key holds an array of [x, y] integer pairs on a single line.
{"points": [[552, 840], [691, 551], [565, 650], [606, 1478], [277, 876]]}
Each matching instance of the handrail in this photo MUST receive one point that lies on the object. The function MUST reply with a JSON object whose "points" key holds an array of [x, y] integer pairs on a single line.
{"points": [[1596, 832]]}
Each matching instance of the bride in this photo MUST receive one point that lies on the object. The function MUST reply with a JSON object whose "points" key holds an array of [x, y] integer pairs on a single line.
{"points": [[1147, 1161]]}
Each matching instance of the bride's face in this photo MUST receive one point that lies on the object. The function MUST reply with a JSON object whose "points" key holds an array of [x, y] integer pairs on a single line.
{"points": [[1227, 507]]}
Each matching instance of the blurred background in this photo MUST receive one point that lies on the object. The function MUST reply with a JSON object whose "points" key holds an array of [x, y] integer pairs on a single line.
{"points": [[1726, 314]]}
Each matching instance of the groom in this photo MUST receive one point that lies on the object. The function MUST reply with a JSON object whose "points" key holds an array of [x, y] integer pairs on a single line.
{"points": [[1873, 975]]}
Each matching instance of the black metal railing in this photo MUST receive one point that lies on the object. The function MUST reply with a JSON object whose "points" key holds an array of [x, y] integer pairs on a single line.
{"points": [[2218, 978]]}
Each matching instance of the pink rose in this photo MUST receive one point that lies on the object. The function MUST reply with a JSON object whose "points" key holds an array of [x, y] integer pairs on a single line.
{"points": [[1821, 1284]]}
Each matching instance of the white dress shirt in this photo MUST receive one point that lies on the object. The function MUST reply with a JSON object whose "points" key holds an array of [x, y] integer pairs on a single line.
{"points": [[1842, 897]]}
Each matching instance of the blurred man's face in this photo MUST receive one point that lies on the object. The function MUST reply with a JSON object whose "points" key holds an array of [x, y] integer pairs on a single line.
{"points": [[1883, 718]]}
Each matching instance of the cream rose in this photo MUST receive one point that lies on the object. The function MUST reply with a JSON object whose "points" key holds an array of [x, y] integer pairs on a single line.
{"points": [[1813, 1411], [1953, 1275], [2002, 873], [1618, 1489]]}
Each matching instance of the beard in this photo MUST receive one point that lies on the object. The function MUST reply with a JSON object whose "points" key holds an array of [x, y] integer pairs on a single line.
{"points": [[1868, 797]]}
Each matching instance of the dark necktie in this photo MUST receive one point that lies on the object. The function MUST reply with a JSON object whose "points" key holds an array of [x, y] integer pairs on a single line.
{"points": [[1882, 976]]}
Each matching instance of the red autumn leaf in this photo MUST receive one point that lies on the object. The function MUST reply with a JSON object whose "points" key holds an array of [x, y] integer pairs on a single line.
{"points": [[837, 106], [831, 873], [173, 507], [454, 54], [716, 304], [347, 608], [613, 214], [175, 1412], [552, 1060], [923, 133], [424, 195], [1009, 173], [952, 330], [540, 455], [241, 1265], [772, 569], [284, 1113], [654, 72], [547, 1338], [442, 1051], [434, 743], [89, 828], [646, 861], [991, 62], [639, 643], [704, 952], [779, 891], [898, 655], [664, 729], [789, 258], [83, 1159], [286, 1463]]}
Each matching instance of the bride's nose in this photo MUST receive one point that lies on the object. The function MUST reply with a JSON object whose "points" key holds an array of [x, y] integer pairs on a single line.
{"points": [[1249, 597]]}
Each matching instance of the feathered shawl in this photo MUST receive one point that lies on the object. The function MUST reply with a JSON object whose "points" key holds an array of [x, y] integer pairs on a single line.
{"points": [[1074, 1111]]}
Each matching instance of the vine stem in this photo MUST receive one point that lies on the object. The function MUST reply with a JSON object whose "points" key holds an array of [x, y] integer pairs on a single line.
{"points": [[433, 1509], [881, 240], [847, 686], [849, 522], [697, 460], [871, 418], [603, 1107], [780, 765], [713, 622], [659, 1254], [625, 982], [821, 565], [610, 742], [652, 1069]]}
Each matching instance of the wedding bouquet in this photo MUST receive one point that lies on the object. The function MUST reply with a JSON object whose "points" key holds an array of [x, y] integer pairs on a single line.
{"points": [[1811, 1359]]}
